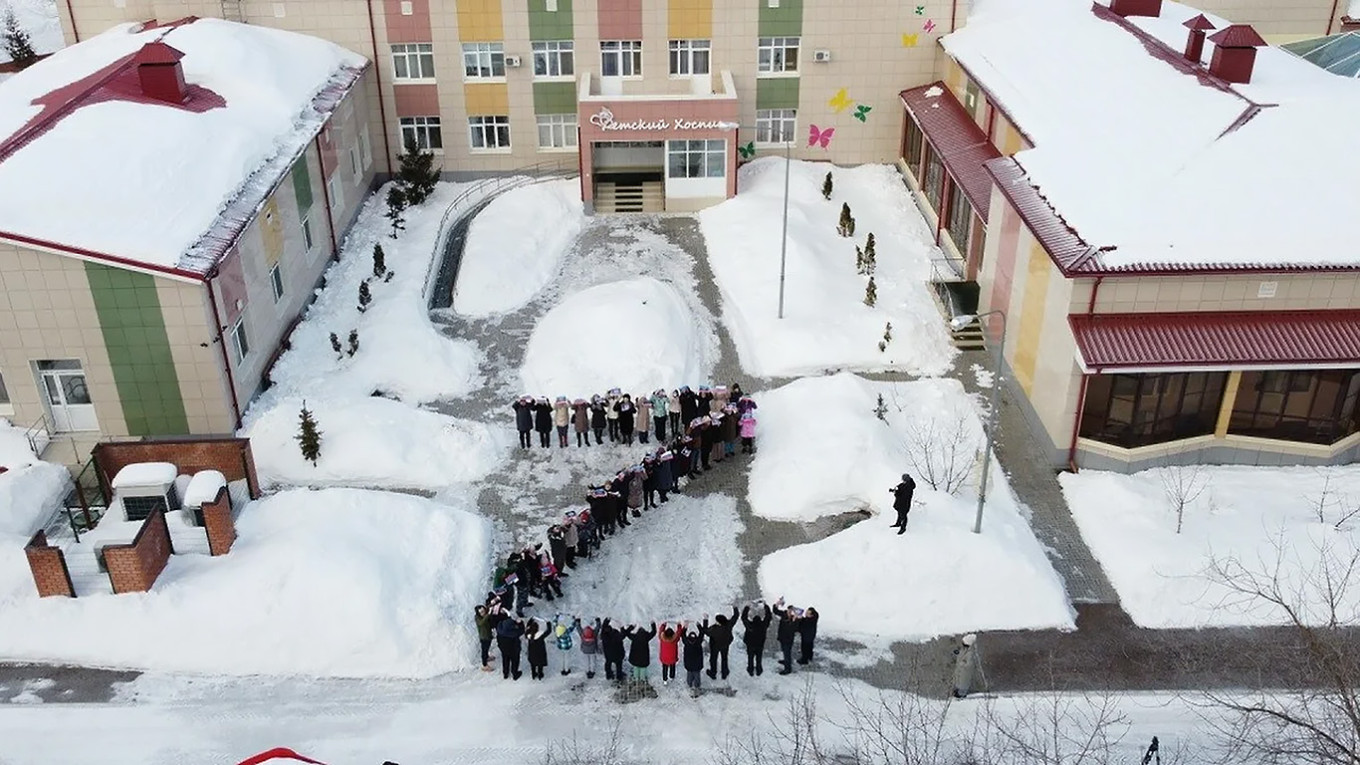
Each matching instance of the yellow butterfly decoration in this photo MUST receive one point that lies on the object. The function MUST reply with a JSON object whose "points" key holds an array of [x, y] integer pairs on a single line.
{"points": [[909, 41], [841, 101]]}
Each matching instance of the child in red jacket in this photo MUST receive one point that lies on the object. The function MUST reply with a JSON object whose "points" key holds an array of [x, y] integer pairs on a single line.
{"points": [[670, 652]]}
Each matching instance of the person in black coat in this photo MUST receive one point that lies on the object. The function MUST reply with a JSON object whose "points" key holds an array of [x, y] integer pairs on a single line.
{"points": [[664, 479], [598, 418], [719, 641], [640, 649], [785, 633], [508, 633], [692, 642], [611, 644], [537, 637], [807, 634], [756, 628], [618, 489], [524, 419], [689, 406], [543, 421], [902, 503]]}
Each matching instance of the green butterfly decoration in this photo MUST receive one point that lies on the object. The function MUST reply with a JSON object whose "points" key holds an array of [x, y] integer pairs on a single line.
{"points": [[862, 112], [748, 151], [920, 10]]}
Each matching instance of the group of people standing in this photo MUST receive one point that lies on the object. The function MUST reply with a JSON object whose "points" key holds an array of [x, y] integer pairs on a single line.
{"points": [[678, 643], [624, 417]]}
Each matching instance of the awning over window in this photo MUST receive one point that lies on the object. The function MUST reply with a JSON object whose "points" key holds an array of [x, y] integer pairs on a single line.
{"points": [[1212, 340], [961, 144]]}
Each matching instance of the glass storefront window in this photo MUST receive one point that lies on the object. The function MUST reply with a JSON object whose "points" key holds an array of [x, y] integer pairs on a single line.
{"points": [[915, 140], [934, 175], [1139, 410], [1315, 406]]}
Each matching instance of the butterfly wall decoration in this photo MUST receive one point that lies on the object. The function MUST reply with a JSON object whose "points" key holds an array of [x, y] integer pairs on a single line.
{"points": [[862, 112], [841, 101], [920, 10], [820, 137], [929, 26], [748, 151], [909, 41]]}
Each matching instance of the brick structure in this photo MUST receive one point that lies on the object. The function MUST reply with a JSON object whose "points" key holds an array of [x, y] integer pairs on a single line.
{"points": [[219, 523], [230, 456], [134, 567], [48, 565]]}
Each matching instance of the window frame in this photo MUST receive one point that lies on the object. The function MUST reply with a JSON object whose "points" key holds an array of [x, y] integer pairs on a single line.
{"points": [[687, 51], [422, 128], [563, 125], [960, 213], [486, 56], [1150, 409], [337, 193], [240, 339], [766, 119], [421, 54], [697, 154], [623, 50], [775, 50], [308, 240], [554, 51], [496, 124], [276, 282]]}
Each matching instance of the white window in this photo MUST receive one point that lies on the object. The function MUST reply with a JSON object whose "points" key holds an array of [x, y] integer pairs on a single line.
{"points": [[489, 132], [337, 193], [307, 233], [556, 58], [777, 54], [776, 125], [557, 131], [483, 60], [276, 281], [365, 147], [239, 342], [621, 58], [424, 132], [689, 57], [413, 61], [4, 394], [354, 164], [698, 159]]}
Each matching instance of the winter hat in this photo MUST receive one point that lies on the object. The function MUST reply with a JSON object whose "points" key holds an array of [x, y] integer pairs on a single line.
{"points": [[561, 399], [746, 415], [571, 514], [579, 402], [543, 399], [906, 477], [588, 633], [561, 630]]}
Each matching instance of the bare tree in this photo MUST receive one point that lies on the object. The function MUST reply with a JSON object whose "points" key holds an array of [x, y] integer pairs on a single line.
{"points": [[1055, 728], [791, 738], [941, 450], [1331, 506], [1183, 485], [573, 752], [906, 729]]}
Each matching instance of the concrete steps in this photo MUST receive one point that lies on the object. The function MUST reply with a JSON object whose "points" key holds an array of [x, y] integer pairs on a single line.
{"points": [[646, 197]]}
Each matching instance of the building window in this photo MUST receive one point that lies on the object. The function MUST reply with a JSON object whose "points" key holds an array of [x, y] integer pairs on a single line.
{"points": [[365, 148], [422, 132], [621, 58], [689, 57], [960, 218], [307, 233], [276, 281], [777, 55], [1314, 406], [914, 143], [698, 159], [413, 61], [1139, 410], [337, 193], [240, 344], [555, 58], [970, 98], [934, 177], [776, 125], [489, 132], [354, 163], [556, 131], [4, 393], [483, 60]]}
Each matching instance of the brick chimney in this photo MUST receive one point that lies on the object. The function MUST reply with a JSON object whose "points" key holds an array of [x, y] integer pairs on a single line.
{"points": [[1194, 47], [1151, 8], [1234, 53], [160, 73]]}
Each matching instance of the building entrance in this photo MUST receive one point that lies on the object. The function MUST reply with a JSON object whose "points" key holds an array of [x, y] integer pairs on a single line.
{"points": [[629, 176]]}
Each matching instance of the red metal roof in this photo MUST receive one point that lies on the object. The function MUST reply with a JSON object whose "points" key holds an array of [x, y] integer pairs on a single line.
{"points": [[157, 52], [1067, 249], [1199, 23], [1217, 340], [953, 134], [1237, 36]]}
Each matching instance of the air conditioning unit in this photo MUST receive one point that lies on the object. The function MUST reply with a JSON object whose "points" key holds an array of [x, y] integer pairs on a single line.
{"points": [[821, 56], [512, 60]]}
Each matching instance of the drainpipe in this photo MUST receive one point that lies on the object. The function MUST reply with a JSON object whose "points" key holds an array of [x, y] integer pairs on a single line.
{"points": [[1085, 380], [222, 346], [75, 32], [1095, 290], [953, 14], [377, 77], [1330, 18], [326, 197]]}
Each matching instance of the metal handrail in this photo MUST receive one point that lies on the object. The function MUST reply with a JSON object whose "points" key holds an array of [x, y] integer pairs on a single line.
{"points": [[31, 433]]}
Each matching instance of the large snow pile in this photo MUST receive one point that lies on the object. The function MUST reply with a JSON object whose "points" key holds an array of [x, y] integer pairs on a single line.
{"points": [[679, 561], [637, 334], [821, 449], [515, 245], [338, 582], [826, 323], [374, 442], [30, 489], [1241, 519], [39, 19]]}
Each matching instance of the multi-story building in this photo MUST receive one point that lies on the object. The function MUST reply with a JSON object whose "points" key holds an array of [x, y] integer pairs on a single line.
{"points": [[169, 198]]}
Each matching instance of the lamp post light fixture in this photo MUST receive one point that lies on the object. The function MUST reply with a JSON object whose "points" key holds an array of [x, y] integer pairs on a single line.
{"points": [[957, 323]]}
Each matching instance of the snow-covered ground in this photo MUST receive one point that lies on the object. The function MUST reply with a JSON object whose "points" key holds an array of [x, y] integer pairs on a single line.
{"points": [[1244, 520], [336, 582], [368, 439], [39, 19], [30, 489], [822, 450], [826, 323], [515, 245]]}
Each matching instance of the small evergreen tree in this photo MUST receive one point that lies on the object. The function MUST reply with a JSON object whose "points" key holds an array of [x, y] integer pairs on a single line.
{"points": [[871, 293], [396, 209], [887, 333], [827, 186], [365, 297], [335, 345], [353, 341], [881, 410], [870, 257], [417, 175], [16, 42], [846, 226], [379, 261], [308, 437], [859, 259]]}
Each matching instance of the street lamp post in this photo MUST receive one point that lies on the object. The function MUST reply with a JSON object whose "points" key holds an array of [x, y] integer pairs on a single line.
{"points": [[958, 322], [784, 235]]}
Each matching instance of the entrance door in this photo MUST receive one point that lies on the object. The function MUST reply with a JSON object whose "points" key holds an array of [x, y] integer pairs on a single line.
{"points": [[68, 397]]}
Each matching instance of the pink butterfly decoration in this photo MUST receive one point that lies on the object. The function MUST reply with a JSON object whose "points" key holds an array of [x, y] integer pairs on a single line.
{"points": [[820, 137], [929, 25]]}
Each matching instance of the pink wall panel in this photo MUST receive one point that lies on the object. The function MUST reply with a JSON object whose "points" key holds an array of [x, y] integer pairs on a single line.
{"points": [[414, 28], [417, 100], [620, 19]]}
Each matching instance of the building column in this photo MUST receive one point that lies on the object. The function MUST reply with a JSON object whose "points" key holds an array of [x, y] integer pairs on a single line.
{"points": [[1229, 400]]}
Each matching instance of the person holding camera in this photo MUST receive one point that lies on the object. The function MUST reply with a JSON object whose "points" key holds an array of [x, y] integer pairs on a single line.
{"points": [[902, 504]]}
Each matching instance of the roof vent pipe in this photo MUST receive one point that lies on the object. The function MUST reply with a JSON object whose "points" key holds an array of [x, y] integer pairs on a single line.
{"points": [[1151, 8], [1194, 47], [1235, 53], [160, 73]]}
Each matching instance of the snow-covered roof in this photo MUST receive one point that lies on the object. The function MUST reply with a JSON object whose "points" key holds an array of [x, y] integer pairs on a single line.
{"points": [[89, 162], [1162, 166], [145, 474], [203, 487]]}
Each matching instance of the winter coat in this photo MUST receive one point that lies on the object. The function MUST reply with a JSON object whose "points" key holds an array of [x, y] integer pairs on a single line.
{"points": [[807, 627], [572, 533], [611, 408], [597, 416], [748, 427], [563, 635], [729, 427], [904, 491], [543, 416], [557, 545], [664, 476], [483, 626], [644, 407], [640, 645], [624, 412], [689, 405], [720, 634], [524, 416], [746, 405], [705, 404], [788, 626], [510, 629], [611, 642], [756, 627], [561, 414], [590, 636], [669, 650], [659, 402], [692, 651], [635, 490], [580, 416], [537, 647], [673, 403]]}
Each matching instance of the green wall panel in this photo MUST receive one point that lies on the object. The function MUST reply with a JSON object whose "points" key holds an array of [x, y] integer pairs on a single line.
{"points": [[777, 93], [784, 21], [554, 97], [302, 185], [550, 25], [130, 318]]}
